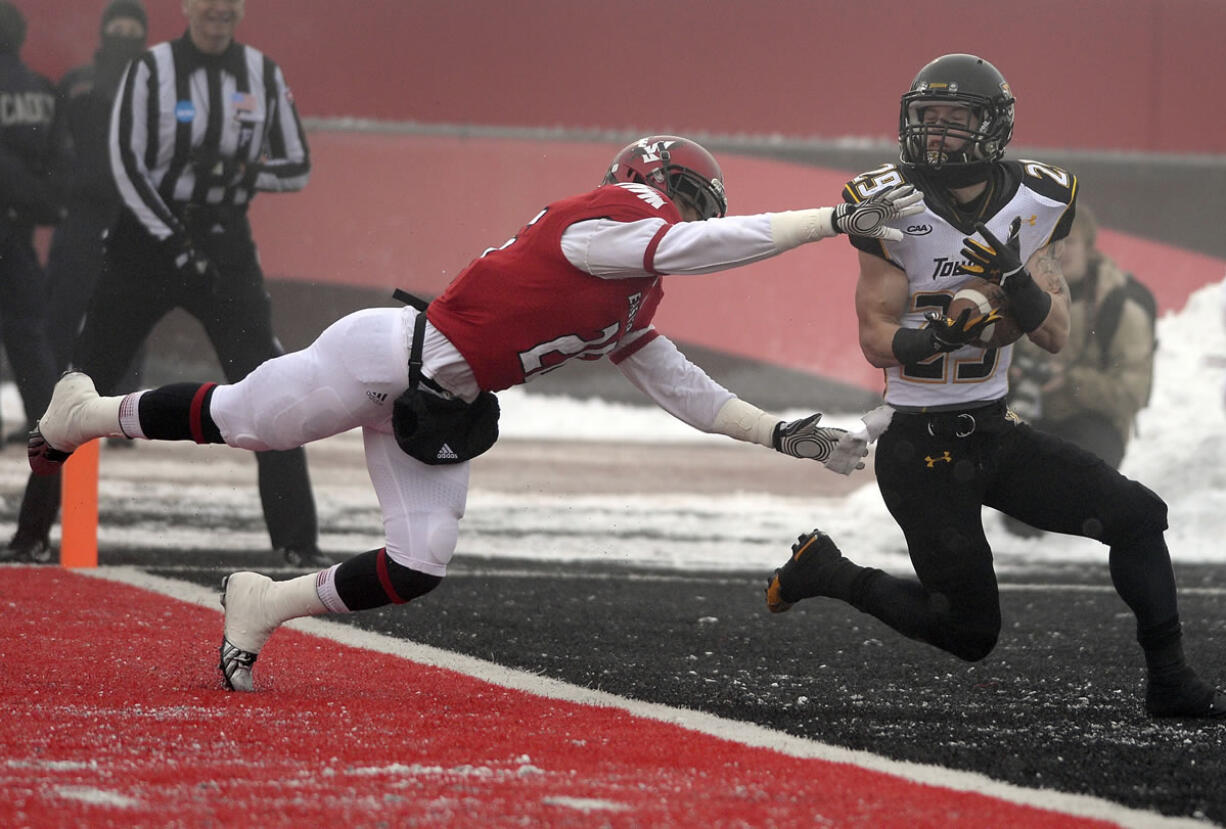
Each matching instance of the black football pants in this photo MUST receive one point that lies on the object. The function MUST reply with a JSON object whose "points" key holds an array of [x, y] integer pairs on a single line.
{"points": [[936, 472], [74, 265], [23, 299]]}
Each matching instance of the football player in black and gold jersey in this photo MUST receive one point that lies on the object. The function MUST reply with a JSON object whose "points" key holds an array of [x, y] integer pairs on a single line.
{"points": [[948, 445]]}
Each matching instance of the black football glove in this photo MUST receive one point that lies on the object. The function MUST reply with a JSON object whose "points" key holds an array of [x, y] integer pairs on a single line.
{"points": [[951, 334], [995, 261], [805, 439], [868, 218], [1002, 263], [193, 266]]}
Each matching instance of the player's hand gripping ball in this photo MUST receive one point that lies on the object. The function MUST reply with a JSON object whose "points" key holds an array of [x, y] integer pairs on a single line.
{"points": [[981, 297]]}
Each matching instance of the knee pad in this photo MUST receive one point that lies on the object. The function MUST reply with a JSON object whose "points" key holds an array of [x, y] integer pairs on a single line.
{"points": [[424, 541], [373, 579]]}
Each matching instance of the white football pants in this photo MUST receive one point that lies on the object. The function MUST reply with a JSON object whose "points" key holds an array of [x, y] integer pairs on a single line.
{"points": [[348, 378]]}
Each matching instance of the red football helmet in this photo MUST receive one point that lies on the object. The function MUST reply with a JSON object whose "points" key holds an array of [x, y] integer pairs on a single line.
{"points": [[677, 167]]}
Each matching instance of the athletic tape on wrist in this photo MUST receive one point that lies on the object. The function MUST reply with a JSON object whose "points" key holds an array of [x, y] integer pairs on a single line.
{"points": [[744, 421], [913, 345], [1028, 303], [791, 228]]}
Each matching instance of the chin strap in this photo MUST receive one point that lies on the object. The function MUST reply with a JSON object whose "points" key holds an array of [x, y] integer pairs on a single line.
{"points": [[961, 175]]}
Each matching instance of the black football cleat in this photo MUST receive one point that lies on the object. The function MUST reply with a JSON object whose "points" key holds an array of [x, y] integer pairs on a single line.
{"points": [[806, 574], [1189, 698], [28, 551], [247, 627], [45, 459], [305, 557], [65, 424]]}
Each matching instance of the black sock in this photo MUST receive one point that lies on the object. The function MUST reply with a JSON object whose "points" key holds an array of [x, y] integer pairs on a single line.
{"points": [[373, 579], [179, 411], [1163, 647], [1142, 574]]}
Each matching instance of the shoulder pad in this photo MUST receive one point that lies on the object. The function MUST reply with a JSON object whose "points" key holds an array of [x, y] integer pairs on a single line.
{"points": [[874, 181], [1047, 180]]}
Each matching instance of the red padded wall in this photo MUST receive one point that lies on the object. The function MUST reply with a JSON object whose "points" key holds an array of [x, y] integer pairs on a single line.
{"points": [[1145, 75]]}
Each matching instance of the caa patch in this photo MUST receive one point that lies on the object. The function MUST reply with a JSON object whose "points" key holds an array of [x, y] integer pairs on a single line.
{"points": [[185, 111]]}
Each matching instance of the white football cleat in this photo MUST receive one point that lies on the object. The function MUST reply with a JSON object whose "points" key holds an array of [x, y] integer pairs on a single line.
{"points": [[247, 627], [235, 667], [75, 416], [255, 606]]}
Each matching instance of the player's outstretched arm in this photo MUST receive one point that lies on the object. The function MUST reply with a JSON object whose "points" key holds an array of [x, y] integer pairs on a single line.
{"points": [[804, 438], [869, 218], [658, 369]]}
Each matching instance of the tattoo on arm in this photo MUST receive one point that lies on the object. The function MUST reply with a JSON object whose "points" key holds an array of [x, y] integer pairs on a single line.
{"points": [[1045, 267]]}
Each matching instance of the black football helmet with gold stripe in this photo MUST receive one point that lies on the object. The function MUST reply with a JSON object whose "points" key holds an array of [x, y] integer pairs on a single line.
{"points": [[962, 81]]}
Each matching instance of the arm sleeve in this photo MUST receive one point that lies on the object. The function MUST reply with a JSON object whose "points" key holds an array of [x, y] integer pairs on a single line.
{"points": [[664, 374], [130, 143], [286, 164], [612, 249]]}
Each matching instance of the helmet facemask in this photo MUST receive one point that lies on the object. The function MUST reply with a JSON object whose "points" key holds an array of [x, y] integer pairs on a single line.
{"points": [[706, 197], [979, 137]]}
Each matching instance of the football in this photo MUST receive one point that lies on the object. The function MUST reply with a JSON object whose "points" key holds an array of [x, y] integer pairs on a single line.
{"points": [[981, 296]]}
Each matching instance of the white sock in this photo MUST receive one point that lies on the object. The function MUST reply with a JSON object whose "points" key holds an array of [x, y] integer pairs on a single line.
{"points": [[100, 418], [292, 599], [129, 415]]}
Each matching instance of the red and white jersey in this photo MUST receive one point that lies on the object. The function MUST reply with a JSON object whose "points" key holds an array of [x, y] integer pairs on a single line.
{"points": [[539, 300]]}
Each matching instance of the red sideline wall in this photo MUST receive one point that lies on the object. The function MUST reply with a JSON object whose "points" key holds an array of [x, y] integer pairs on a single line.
{"points": [[1146, 75]]}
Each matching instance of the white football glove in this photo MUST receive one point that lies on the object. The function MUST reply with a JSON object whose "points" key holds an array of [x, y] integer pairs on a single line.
{"points": [[805, 439], [869, 217], [849, 452]]}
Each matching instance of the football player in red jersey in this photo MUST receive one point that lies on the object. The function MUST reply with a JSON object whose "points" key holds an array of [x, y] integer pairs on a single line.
{"points": [[948, 445], [581, 280]]}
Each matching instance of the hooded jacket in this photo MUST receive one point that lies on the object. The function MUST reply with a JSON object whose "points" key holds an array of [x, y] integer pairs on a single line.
{"points": [[1108, 378]]}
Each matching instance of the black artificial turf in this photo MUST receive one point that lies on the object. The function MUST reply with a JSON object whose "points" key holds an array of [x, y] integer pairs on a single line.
{"points": [[1057, 705]]}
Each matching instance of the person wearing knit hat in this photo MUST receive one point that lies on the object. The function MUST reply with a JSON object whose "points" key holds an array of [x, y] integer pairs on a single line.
{"points": [[123, 31], [126, 9], [28, 197]]}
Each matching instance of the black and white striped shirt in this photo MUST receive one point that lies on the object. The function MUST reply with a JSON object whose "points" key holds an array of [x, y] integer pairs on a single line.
{"points": [[191, 128]]}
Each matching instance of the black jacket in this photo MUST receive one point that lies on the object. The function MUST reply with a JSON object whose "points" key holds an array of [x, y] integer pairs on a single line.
{"points": [[29, 194]]}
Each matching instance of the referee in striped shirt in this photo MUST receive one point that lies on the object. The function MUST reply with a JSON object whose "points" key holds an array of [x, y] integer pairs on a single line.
{"points": [[199, 126]]}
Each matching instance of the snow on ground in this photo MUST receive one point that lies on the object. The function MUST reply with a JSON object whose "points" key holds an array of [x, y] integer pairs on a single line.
{"points": [[1179, 452]]}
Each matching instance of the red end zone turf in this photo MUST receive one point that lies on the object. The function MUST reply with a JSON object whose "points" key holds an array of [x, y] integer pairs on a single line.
{"points": [[114, 716]]}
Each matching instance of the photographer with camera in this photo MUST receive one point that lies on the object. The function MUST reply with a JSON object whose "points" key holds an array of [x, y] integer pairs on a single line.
{"points": [[1089, 393]]}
